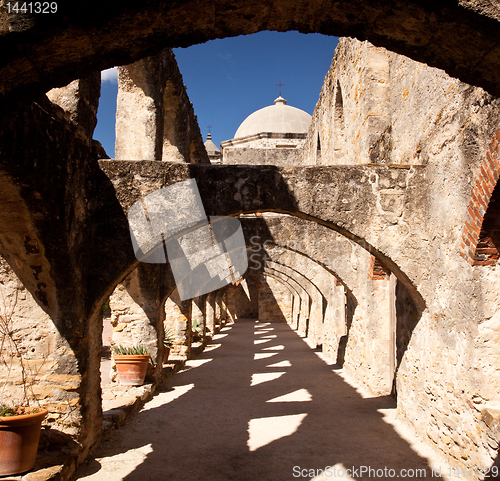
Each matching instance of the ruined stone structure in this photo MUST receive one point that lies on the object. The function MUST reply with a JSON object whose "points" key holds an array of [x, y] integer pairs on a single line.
{"points": [[379, 244]]}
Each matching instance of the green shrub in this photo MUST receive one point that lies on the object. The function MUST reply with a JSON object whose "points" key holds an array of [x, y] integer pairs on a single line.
{"points": [[137, 350], [169, 337]]}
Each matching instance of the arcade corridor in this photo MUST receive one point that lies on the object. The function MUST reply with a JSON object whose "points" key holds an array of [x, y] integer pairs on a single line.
{"points": [[259, 404]]}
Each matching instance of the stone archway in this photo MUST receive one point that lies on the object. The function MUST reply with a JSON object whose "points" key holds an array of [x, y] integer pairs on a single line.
{"points": [[58, 48]]}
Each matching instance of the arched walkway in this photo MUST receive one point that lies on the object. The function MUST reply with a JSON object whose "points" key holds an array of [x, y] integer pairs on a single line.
{"points": [[257, 404]]}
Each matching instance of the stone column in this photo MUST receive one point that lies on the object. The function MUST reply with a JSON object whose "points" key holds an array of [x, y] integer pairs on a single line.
{"points": [[218, 312], [198, 317], [295, 311], [226, 317], [304, 314], [210, 314], [335, 324], [178, 320], [368, 349], [80, 100], [154, 118], [136, 316]]}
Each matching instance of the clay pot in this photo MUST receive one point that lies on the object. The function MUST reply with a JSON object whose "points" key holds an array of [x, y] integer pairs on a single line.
{"points": [[19, 436], [166, 353], [131, 369]]}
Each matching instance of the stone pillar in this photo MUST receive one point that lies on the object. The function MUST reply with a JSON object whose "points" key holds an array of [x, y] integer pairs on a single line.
{"points": [[178, 320], [136, 316], [304, 314], [230, 301], [210, 314], [368, 349], [139, 118], [80, 100], [315, 328], [154, 118], [296, 311], [335, 323], [226, 317], [218, 311], [198, 318], [392, 328]]}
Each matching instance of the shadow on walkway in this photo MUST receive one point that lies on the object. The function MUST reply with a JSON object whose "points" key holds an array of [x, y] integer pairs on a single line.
{"points": [[257, 405]]}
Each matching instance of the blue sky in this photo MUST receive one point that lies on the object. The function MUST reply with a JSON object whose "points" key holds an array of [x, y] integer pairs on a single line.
{"points": [[229, 79]]}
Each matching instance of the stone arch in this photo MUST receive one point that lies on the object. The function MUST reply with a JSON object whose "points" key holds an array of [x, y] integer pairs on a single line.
{"points": [[178, 321], [481, 234], [293, 278], [301, 310], [290, 246], [243, 298], [270, 308], [314, 329], [232, 190], [136, 314], [404, 315], [451, 39], [330, 320], [338, 124]]}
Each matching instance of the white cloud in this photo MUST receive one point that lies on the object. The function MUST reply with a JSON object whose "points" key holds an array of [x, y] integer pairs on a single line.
{"points": [[109, 75]]}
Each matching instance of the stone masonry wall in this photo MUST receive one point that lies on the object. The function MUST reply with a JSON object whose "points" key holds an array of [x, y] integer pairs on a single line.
{"points": [[178, 320], [52, 379], [154, 118], [132, 322], [274, 301], [378, 107]]}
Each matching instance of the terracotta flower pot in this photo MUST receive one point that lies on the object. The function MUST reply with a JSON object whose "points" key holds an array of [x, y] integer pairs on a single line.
{"points": [[19, 436], [131, 369]]}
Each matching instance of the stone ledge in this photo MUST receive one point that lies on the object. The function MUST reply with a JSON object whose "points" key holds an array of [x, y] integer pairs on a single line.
{"points": [[58, 461]]}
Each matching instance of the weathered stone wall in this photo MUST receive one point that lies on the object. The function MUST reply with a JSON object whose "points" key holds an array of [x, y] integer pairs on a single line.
{"points": [[267, 148], [243, 300], [178, 320], [136, 317], [51, 374], [265, 140], [154, 118], [80, 101], [380, 107], [283, 156], [275, 301], [403, 112]]}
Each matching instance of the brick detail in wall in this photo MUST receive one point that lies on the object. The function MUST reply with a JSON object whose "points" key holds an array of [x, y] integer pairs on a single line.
{"points": [[377, 271], [477, 247]]}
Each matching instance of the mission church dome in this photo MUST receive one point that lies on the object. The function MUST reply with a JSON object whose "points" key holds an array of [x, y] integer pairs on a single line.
{"points": [[273, 135], [277, 118]]}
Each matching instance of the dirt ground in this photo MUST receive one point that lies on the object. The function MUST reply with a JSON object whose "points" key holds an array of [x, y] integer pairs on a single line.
{"points": [[259, 404]]}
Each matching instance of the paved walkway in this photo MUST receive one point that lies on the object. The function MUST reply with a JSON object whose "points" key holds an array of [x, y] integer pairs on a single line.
{"points": [[259, 405]]}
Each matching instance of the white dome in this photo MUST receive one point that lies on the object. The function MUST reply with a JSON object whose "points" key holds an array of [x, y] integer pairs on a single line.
{"points": [[278, 118]]}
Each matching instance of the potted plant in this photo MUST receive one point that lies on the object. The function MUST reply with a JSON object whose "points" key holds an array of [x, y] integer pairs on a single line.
{"points": [[168, 340], [20, 424], [131, 364]]}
